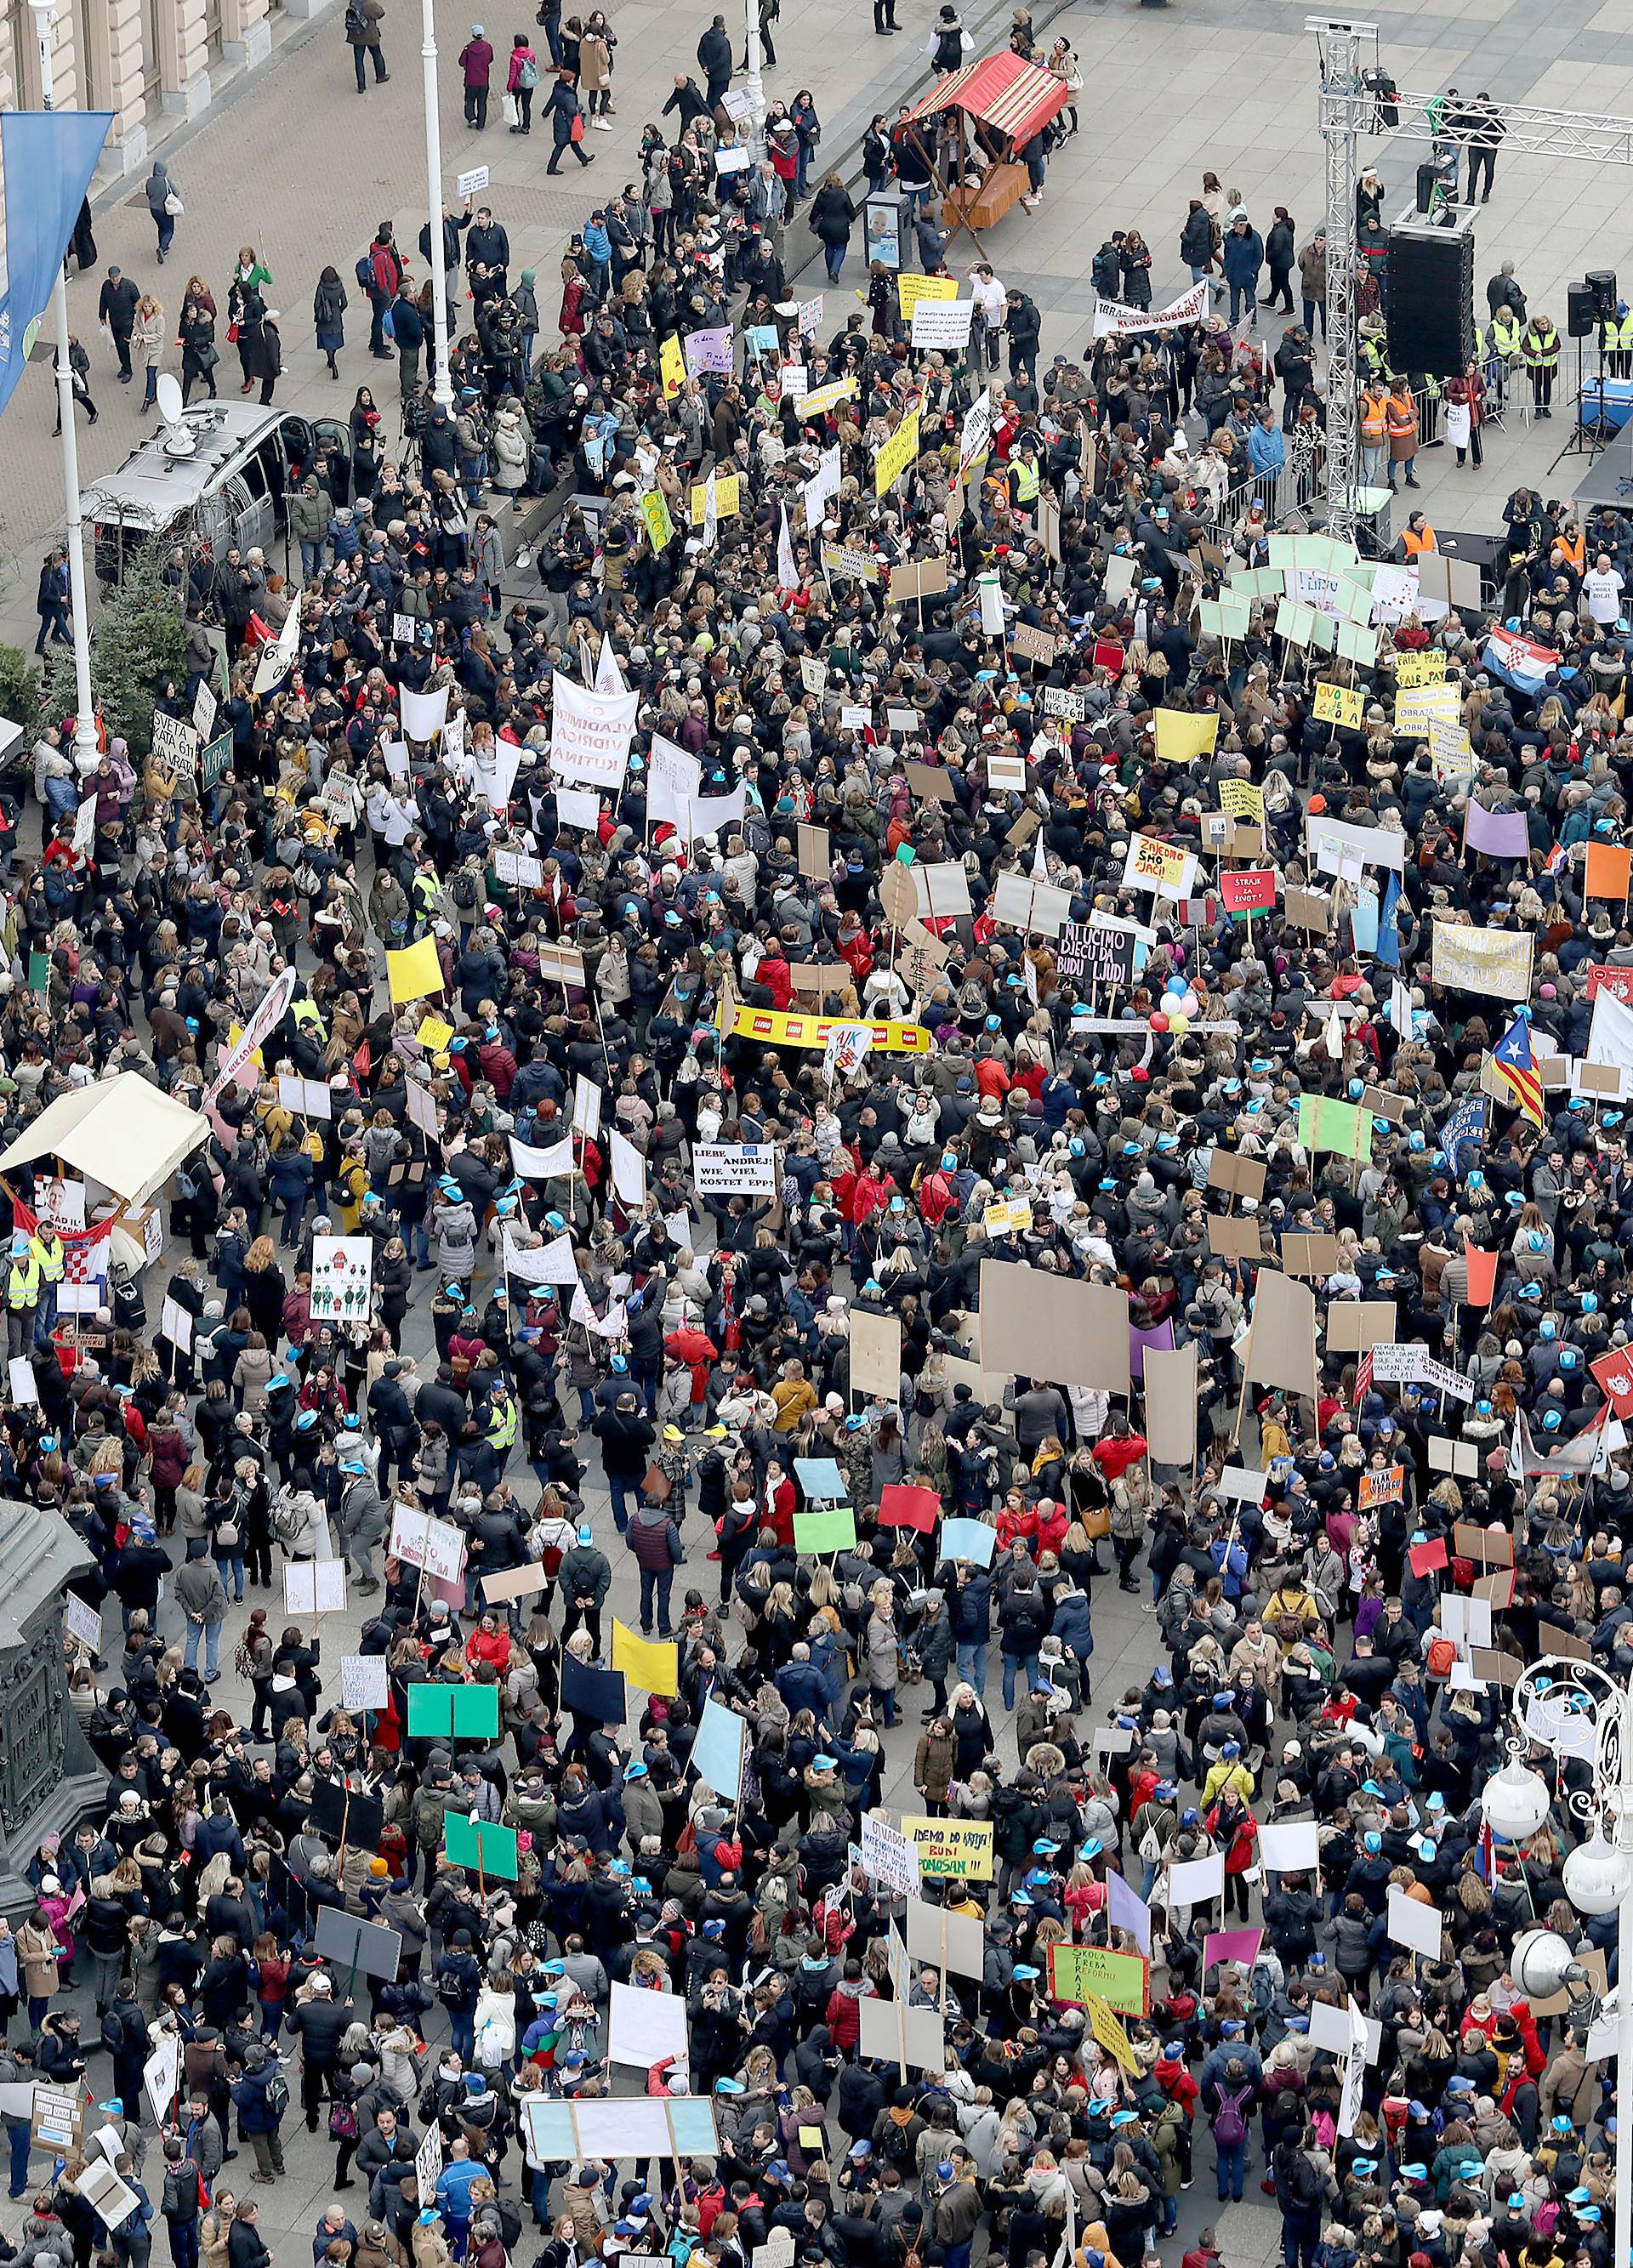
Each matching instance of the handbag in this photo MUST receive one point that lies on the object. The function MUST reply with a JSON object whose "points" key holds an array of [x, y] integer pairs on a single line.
{"points": [[656, 1484], [576, 132], [173, 206], [512, 111], [1097, 1521], [232, 335], [342, 2122]]}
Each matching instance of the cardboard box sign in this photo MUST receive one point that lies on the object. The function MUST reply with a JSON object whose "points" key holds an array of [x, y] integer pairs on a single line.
{"points": [[1236, 1237]]}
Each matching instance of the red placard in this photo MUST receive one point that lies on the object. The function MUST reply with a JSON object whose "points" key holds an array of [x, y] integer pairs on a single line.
{"points": [[1251, 891], [1482, 1267], [1602, 978], [901, 1506], [1614, 1374], [1426, 1557], [1107, 656]]}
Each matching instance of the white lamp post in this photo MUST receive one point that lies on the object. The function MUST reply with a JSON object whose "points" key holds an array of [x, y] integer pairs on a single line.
{"points": [[441, 378], [757, 84], [1598, 1873], [84, 700]]}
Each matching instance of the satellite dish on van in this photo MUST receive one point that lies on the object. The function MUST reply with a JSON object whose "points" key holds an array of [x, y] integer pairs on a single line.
{"points": [[179, 441]]}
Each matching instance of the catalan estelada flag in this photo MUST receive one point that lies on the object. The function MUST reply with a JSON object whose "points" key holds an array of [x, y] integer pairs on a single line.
{"points": [[1512, 1061]]}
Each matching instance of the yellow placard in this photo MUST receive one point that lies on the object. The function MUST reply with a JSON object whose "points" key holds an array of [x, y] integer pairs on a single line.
{"points": [[653, 1664], [235, 1033], [1339, 704], [659, 521], [434, 1034], [672, 367], [1414, 711], [1108, 2029], [827, 397], [911, 289], [726, 503], [897, 454], [777, 1028], [415, 973], [1426, 668], [1241, 799], [956, 1847], [1181, 736]]}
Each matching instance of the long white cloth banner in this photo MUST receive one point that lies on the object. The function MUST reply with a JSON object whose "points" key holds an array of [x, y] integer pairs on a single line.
{"points": [[1113, 320], [590, 732]]}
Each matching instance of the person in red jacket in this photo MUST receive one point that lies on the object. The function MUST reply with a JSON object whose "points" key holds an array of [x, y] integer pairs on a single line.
{"points": [[489, 1643], [775, 974], [938, 1194], [842, 2013], [1116, 1450], [692, 1345]]}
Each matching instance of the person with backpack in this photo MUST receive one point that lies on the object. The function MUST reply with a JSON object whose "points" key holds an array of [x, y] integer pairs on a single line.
{"points": [[379, 274], [262, 2097], [1230, 2100], [181, 2201], [364, 18]]}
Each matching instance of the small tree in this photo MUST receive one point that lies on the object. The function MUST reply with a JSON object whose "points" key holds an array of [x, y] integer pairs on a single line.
{"points": [[139, 641], [19, 688]]}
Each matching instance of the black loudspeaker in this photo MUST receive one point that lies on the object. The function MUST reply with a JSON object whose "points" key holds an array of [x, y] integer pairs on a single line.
{"points": [[1431, 303], [1601, 282], [1428, 181], [1582, 311]]}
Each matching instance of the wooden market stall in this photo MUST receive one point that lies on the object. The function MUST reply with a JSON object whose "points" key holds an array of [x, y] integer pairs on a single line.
{"points": [[971, 128]]}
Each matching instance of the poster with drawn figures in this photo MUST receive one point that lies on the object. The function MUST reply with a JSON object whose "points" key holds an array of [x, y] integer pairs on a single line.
{"points": [[341, 1278]]}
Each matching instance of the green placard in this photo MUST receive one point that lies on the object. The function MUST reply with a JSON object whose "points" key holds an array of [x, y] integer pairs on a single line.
{"points": [[834, 1530], [1327, 1123], [1120, 1979], [480, 1843], [38, 972], [214, 761], [445, 1709]]}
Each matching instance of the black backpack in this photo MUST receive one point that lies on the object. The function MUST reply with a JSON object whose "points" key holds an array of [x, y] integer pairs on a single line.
{"points": [[356, 22], [277, 2094]]}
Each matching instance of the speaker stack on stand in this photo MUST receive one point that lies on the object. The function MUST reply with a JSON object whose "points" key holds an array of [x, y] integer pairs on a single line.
{"points": [[1430, 308]]}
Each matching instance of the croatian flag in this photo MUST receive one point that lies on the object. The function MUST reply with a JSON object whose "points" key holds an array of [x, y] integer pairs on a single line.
{"points": [[1518, 662]]}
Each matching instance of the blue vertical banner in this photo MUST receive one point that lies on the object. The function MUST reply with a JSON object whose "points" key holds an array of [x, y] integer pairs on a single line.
{"points": [[46, 158]]}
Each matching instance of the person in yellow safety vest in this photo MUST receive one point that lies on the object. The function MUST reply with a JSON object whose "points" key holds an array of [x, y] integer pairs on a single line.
{"points": [[1616, 338], [1500, 347], [46, 1247], [1374, 416], [309, 1017], [498, 1439], [22, 1295], [1539, 349], [1024, 479], [1400, 419]]}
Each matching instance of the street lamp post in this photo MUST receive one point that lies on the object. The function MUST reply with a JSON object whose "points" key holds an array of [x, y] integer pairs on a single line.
{"points": [[84, 700], [1577, 1698], [756, 85], [443, 381]]}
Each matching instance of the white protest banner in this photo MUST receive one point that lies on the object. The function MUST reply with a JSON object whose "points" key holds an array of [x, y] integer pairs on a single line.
{"points": [[941, 322], [1333, 840], [1329, 2027], [747, 1169], [307, 1097], [365, 1682], [1355, 2072], [889, 1856], [315, 1586], [175, 1323], [645, 2027], [976, 432], [1193, 1882], [267, 1012], [675, 781], [554, 1262], [578, 806], [586, 1106], [1113, 320], [420, 1539], [424, 714], [1493, 962], [1411, 1922], [518, 869], [343, 1275], [467, 185], [590, 732], [1292, 1848], [629, 1170], [534, 1165], [712, 813], [82, 1621]]}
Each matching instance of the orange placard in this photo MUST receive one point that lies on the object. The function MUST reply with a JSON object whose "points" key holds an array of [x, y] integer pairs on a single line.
{"points": [[1609, 870]]}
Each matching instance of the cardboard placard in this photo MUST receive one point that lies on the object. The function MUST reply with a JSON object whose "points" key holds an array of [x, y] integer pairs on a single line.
{"points": [[1487, 1547], [1308, 909], [1234, 1236], [1354, 1325], [1243, 1177], [1312, 1254], [1036, 1325]]}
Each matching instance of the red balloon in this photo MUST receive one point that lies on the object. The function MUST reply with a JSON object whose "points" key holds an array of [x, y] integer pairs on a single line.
{"points": [[1159, 1022]]}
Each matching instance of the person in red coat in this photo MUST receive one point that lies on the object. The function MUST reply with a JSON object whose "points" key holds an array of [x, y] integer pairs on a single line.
{"points": [[843, 2013]]}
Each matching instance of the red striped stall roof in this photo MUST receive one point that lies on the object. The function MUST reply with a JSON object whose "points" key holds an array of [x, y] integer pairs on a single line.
{"points": [[1005, 92]]}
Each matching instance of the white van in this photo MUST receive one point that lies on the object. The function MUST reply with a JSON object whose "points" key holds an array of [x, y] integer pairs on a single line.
{"points": [[228, 488]]}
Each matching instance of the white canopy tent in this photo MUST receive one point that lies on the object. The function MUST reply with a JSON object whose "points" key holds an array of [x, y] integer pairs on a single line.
{"points": [[121, 1132]]}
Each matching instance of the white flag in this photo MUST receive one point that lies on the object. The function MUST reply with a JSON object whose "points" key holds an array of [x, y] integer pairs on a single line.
{"points": [[608, 676], [554, 1262], [787, 569]]}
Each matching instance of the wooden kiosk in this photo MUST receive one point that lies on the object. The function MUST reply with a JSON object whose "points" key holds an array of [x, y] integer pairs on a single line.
{"points": [[971, 128]]}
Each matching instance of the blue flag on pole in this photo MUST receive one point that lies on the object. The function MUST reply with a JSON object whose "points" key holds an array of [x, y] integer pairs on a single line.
{"points": [[1465, 1126], [1388, 947], [48, 157]]}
